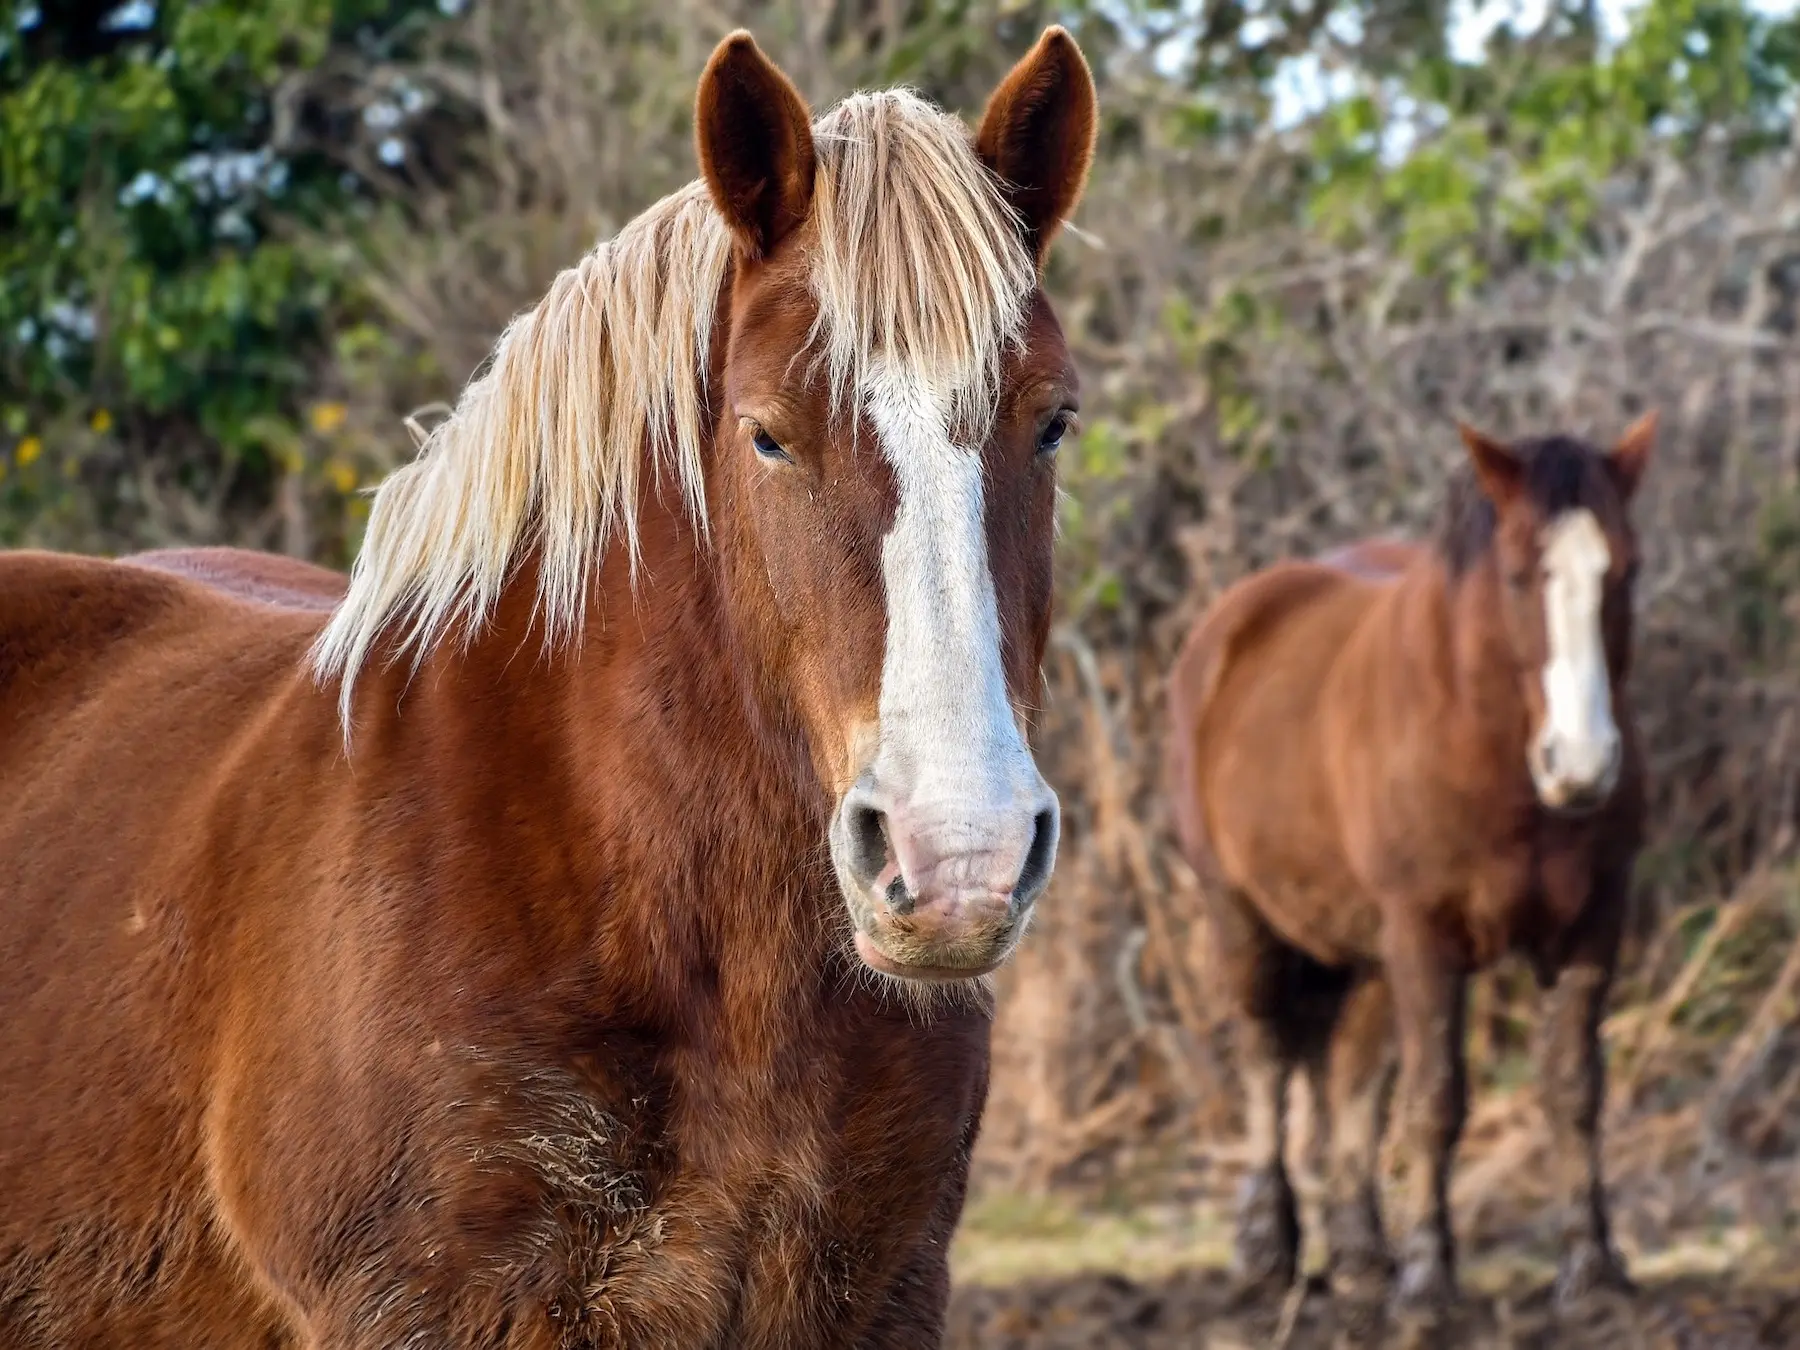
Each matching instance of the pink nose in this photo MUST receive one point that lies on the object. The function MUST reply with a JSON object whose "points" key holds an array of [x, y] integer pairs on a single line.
{"points": [[953, 864]]}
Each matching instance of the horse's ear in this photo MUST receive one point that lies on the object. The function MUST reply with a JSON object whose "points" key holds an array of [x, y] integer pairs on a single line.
{"points": [[1631, 455], [1037, 134], [754, 135], [1501, 472]]}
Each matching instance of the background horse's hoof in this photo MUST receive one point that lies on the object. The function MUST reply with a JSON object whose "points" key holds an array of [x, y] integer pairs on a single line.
{"points": [[1590, 1268], [1359, 1324], [1267, 1252], [1361, 1276], [1361, 1269], [1427, 1284]]}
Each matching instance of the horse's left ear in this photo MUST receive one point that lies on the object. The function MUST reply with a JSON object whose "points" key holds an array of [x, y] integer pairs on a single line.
{"points": [[1037, 135], [754, 136], [1497, 468], [1631, 455]]}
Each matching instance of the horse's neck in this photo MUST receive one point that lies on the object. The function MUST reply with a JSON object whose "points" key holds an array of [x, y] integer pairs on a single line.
{"points": [[1456, 651], [681, 822]]}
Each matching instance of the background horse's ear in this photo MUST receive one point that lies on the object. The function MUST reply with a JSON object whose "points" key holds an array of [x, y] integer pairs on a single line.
{"points": [[1501, 472], [1631, 455], [754, 135], [1038, 132]]}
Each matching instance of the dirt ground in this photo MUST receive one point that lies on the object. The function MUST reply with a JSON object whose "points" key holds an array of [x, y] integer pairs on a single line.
{"points": [[1194, 1310], [1713, 1242], [1715, 1253]]}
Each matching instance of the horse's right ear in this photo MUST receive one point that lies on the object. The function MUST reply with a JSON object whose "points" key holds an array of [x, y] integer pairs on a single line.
{"points": [[754, 136], [1500, 471]]}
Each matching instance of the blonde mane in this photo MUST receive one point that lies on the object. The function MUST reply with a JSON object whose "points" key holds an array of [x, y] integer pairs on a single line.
{"points": [[917, 260]]}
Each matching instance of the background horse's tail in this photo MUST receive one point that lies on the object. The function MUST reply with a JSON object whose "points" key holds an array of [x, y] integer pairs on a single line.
{"points": [[1192, 681]]}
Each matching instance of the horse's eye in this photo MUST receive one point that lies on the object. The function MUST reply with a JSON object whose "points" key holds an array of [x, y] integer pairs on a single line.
{"points": [[1053, 434], [768, 447]]}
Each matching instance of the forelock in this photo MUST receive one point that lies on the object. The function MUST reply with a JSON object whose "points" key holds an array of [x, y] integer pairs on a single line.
{"points": [[1562, 473], [918, 263]]}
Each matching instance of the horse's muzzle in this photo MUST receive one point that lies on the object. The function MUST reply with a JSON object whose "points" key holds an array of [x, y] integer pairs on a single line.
{"points": [[942, 889], [1576, 778]]}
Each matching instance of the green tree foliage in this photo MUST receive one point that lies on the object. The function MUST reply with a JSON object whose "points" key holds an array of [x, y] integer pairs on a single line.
{"points": [[1507, 152], [156, 173]]}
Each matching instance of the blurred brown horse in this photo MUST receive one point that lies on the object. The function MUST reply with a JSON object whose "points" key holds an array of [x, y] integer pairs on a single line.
{"points": [[582, 947], [1391, 767]]}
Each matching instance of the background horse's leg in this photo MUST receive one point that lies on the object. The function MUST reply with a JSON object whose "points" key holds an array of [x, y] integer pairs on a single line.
{"points": [[1430, 992], [1267, 1249], [1317, 1077], [1572, 1087], [1359, 1082], [1258, 970]]}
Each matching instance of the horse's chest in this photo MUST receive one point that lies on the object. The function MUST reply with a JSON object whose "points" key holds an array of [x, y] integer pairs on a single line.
{"points": [[1525, 896], [797, 1209]]}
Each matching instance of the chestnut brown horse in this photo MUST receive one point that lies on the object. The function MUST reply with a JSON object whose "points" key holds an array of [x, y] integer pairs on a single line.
{"points": [[1391, 767], [570, 934]]}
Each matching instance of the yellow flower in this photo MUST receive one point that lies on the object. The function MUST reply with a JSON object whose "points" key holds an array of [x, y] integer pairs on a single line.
{"points": [[342, 476], [328, 417], [101, 421], [29, 449]]}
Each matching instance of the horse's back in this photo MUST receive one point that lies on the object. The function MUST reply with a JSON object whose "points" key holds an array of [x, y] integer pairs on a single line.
{"points": [[172, 627], [263, 578], [1373, 559], [1266, 612], [1248, 771], [124, 691], [1291, 617], [130, 702]]}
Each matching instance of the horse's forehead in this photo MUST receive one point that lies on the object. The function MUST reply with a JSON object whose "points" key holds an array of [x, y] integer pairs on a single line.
{"points": [[1574, 543], [1042, 358], [774, 320], [773, 312]]}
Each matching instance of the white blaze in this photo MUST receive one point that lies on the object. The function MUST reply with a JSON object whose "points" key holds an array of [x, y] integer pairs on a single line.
{"points": [[1579, 745], [951, 748]]}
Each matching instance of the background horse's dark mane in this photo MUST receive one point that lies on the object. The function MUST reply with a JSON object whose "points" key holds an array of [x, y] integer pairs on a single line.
{"points": [[1561, 473]]}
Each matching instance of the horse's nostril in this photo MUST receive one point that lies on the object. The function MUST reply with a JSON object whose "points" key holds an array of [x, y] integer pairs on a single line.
{"points": [[868, 843], [898, 900], [1038, 858], [1547, 758]]}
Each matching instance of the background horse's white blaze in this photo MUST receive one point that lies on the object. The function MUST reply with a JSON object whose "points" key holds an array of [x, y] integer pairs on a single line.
{"points": [[963, 801], [1577, 752]]}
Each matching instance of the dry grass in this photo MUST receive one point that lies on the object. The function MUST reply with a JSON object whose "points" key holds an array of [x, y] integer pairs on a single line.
{"points": [[1698, 1225], [1008, 1239]]}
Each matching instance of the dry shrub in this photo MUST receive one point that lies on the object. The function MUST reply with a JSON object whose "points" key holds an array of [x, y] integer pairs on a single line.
{"points": [[1326, 412]]}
